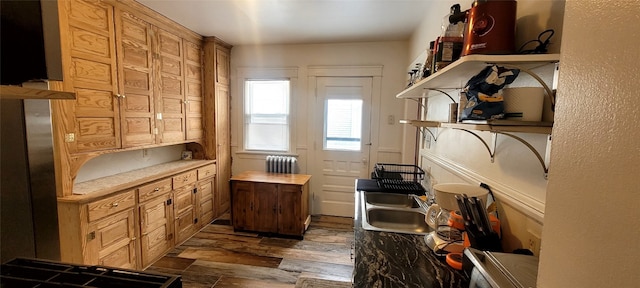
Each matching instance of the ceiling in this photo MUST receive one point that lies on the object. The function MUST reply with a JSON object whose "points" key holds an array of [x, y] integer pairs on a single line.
{"points": [[248, 22]]}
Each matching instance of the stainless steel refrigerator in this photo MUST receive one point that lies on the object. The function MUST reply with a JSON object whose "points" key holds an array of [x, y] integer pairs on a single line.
{"points": [[28, 206]]}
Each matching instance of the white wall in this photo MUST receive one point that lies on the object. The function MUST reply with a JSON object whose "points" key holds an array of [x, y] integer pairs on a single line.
{"points": [[516, 176], [592, 221], [125, 161], [390, 55]]}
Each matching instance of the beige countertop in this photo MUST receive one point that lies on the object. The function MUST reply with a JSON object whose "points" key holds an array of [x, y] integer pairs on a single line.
{"points": [[89, 190], [266, 177]]}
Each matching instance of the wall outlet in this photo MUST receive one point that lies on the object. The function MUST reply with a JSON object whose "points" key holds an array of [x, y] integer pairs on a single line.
{"points": [[533, 242], [391, 120]]}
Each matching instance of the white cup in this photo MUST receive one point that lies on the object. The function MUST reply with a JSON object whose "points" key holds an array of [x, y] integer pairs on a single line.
{"points": [[523, 103]]}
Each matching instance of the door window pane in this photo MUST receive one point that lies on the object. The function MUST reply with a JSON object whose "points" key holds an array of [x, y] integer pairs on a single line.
{"points": [[266, 115], [343, 124]]}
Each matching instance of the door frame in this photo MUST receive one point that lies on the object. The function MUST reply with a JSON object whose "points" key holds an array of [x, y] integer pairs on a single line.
{"points": [[375, 72]]}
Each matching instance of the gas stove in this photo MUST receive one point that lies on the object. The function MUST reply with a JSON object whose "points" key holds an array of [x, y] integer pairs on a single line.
{"points": [[25, 273]]}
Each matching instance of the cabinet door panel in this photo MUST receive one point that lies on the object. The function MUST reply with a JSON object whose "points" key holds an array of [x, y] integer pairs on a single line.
{"points": [[156, 228], [111, 241], [171, 88], [135, 71], [290, 218], [185, 211], [185, 225], [223, 147], [266, 204], [222, 65], [242, 208], [193, 90], [89, 55], [205, 201], [184, 199]]}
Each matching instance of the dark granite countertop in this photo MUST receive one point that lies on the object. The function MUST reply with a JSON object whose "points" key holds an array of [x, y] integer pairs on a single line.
{"points": [[384, 259]]}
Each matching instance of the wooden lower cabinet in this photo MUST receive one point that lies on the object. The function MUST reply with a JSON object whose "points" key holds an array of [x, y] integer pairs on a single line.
{"points": [[242, 208], [205, 200], [156, 228], [111, 241], [293, 209], [184, 209], [100, 232], [135, 227], [267, 202]]}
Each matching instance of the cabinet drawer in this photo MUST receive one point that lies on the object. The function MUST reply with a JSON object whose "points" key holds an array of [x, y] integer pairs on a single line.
{"points": [[111, 205], [206, 171], [154, 189], [184, 179]]}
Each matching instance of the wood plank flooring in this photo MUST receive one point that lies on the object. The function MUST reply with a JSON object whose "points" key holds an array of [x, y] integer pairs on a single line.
{"points": [[219, 257]]}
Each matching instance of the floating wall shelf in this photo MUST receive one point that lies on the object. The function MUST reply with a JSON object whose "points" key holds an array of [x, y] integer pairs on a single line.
{"points": [[455, 75], [495, 127]]}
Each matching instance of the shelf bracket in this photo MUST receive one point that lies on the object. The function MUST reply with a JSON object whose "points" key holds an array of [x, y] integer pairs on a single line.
{"points": [[492, 153], [544, 165], [422, 129], [445, 93]]}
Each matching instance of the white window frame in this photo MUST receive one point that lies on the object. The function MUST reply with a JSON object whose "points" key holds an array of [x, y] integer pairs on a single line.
{"points": [[248, 73]]}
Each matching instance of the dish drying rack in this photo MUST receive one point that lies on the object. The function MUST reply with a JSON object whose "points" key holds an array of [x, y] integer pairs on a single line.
{"points": [[399, 178]]}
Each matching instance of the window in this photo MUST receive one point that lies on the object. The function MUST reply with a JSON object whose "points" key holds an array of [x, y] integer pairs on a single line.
{"points": [[343, 124], [266, 115]]}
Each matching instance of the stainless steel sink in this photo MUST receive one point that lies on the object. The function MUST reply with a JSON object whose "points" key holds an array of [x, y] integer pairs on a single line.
{"points": [[397, 213], [391, 200]]}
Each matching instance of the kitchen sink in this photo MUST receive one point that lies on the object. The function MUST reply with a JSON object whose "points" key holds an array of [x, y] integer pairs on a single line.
{"points": [[390, 212], [391, 200], [401, 220]]}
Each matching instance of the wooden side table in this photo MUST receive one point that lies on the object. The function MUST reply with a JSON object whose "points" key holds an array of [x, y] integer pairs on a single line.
{"points": [[270, 202]]}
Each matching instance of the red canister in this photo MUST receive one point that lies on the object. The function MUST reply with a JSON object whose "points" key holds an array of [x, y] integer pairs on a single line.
{"points": [[490, 27]]}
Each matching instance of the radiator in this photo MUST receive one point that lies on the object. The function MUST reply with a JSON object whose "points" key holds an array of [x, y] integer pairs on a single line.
{"points": [[281, 164]]}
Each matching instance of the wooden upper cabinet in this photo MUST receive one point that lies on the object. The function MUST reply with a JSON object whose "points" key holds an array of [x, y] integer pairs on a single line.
{"points": [[89, 55], [135, 71], [222, 65], [138, 81], [193, 90], [171, 90]]}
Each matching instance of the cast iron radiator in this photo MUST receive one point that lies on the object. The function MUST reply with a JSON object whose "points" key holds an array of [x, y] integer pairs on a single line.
{"points": [[281, 164]]}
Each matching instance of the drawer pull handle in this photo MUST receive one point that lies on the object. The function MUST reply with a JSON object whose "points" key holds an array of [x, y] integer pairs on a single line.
{"points": [[115, 204], [157, 189]]}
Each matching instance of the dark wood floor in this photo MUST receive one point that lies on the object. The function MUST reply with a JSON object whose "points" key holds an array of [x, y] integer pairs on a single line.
{"points": [[219, 257]]}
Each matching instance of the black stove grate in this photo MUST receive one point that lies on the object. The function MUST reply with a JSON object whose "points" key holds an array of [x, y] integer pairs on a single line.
{"points": [[26, 273]]}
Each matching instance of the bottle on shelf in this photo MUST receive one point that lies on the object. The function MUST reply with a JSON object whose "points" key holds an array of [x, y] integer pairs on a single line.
{"points": [[427, 66], [450, 42]]}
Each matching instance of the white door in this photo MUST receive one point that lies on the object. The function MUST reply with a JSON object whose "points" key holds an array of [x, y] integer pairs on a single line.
{"points": [[342, 142]]}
